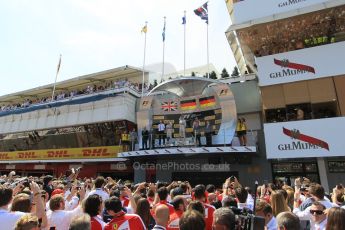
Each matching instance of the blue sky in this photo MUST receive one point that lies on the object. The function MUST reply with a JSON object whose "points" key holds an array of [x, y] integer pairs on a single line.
{"points": [[93, 36]]}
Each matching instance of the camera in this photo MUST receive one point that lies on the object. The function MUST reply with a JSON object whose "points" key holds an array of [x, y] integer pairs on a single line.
{"points": [[246, 220]]}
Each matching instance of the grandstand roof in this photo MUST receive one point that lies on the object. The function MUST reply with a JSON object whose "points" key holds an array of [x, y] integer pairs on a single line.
{"points": [[185, 86], [73, 83]]}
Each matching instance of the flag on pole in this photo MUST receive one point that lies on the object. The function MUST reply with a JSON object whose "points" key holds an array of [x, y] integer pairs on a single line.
{"points": [[58, 66], [144, 29], [163, 33], [183, 20], [202, 12]]}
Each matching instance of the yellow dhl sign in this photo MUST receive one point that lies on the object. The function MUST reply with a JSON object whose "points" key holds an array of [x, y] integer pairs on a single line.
{"points": [[70, 153]]}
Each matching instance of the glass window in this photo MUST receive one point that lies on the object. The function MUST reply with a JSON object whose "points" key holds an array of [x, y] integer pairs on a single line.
{"points": [[324, 110], [275, 115], [299, 112]]}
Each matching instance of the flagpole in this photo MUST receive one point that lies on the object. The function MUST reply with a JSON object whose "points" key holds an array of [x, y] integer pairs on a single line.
{"points": [[184, 45], [57, 72], [163, 47], [142, 87], [208, 58]]}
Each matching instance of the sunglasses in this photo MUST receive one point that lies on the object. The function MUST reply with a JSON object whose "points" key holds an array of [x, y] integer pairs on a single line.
{"points": [[317, 212]]}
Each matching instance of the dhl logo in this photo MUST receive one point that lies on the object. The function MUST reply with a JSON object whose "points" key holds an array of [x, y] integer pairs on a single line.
{"points": [[101, 152], [58, 153], [4, 156], [26, 155]]}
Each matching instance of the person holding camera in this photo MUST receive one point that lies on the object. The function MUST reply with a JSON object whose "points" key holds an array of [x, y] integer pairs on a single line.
{"points": [[99, 188]]}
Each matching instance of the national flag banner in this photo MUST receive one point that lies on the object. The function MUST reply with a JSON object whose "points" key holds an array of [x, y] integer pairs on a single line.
{"points": [[184, 20], [202, 12], [58, 66], [207, 101], [188, 104], [144, 29], [169, 106], [163, 33]]}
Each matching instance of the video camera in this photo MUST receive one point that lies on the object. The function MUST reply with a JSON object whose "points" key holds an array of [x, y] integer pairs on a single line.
{"points": [[246, 220]]}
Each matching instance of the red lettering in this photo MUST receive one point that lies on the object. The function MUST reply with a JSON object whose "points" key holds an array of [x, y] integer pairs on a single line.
{"points": [[4, 156], [26, 155], [86, 152], [95, 152], [58, 154]]}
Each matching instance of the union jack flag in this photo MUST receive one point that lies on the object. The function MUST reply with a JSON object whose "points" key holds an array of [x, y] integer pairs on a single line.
{"points": [[169, 106]]}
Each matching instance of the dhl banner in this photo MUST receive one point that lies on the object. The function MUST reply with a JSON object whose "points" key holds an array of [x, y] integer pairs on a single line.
{"points": [[61, 154]]}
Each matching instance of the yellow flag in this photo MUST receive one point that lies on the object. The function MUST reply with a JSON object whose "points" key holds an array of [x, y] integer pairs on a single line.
{"points": [[144, 29]]}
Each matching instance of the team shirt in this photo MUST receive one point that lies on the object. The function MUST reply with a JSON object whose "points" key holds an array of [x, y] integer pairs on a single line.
{"points": [[125, 221]]}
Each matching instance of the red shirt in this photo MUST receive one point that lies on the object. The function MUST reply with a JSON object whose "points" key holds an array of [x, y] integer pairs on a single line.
{"points": [[125, 222], [171, 207], [97, 223], [173, 223], [125, 201], [209, 210]]}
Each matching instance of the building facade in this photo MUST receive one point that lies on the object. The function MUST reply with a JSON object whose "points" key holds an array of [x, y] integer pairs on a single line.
{"points": [[296, 49]]}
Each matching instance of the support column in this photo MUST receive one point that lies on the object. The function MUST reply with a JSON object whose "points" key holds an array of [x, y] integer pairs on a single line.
{"points": [[323, 173]]}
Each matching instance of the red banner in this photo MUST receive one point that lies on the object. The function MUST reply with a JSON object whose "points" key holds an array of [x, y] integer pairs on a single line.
{"points": [[285, 63], [295, 134]]}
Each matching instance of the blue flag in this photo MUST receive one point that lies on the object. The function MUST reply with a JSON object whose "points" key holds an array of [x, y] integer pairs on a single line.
{"points": [[183, 20], [163, 33], [202, 12]]}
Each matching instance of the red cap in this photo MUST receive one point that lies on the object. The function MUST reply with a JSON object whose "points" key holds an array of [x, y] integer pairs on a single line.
{"points": [[57, 191]]}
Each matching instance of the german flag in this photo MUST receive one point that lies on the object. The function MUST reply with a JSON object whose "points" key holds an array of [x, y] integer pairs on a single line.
{"points": [[207, 101], [188, 104]]}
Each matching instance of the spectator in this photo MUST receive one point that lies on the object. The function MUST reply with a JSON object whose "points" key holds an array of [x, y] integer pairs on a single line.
{"points": [[264, 210], [242, 195], [197, 206], [163, 195], [317, 192], [278, 203], [161, 217], [57, 216], [21, 203], [143, 210], [47, 185], [318, 218], [120, 218], [27, 222], [99, 188], [223, 218], [336, 219], [192, 220], [199, 195], [8, 219], [228, 202], [93, 207], [81, 223], [179, 204], [287, 221]]}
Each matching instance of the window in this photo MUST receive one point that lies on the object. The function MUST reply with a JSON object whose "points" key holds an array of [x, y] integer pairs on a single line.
{"points": [[299, 112], [275, 115]]}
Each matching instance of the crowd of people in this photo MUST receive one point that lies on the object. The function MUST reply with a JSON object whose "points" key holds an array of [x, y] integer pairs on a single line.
{"points": [[69, 202], [90, 89], [304, 31]]}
